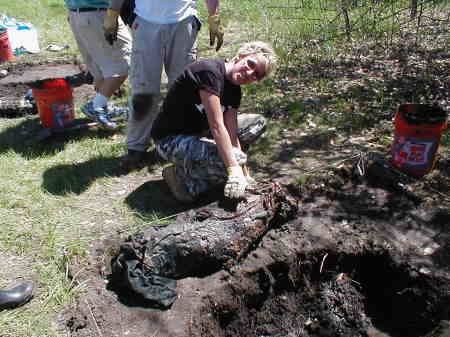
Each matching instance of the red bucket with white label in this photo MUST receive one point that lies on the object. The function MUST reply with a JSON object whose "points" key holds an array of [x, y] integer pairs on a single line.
{"points": [[418, 132], [54, 100]]}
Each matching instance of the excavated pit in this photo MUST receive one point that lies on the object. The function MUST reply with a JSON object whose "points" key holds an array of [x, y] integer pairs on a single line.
{"points": [[342, 295], [399, 300], [357, 258]]}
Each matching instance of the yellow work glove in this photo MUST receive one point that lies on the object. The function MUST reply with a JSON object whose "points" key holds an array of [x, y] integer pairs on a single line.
{"points": [[215, 31], [236, 183], [111, 25]]}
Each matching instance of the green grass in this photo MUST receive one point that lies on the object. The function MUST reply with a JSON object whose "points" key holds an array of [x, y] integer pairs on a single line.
{"points": [[59, 197], [49, 17]]}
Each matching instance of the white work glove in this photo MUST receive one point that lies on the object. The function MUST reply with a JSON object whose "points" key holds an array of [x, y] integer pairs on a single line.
{"points": [[236, 183]]}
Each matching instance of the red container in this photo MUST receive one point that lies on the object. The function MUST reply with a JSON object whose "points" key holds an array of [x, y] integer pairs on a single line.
{"points": [[54, 100], [6, 53], [416, 141]]}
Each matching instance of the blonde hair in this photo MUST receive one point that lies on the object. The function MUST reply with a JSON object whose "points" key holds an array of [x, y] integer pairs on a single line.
{"points": [[260, 48]]}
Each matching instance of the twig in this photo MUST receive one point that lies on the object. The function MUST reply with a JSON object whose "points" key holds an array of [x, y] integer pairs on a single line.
{"points": [[125, 228], [445, 196], [95, 321], [320, 168], [355, 282], [94, 210], [67, 270], [165, 218], [74, 276], [158, 220], [323, 260]]}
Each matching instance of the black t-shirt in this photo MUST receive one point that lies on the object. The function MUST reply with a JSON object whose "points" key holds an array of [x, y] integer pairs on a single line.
{"points": [[182, 112]]}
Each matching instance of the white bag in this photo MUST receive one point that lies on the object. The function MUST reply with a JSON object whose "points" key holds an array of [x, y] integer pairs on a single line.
{"points": [[23, 37]]}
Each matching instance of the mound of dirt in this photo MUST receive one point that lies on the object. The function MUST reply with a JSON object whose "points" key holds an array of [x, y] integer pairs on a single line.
{"points": [[362, 257]]}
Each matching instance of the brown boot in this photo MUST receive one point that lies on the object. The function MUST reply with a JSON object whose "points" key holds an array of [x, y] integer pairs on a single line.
{"points": [[178, 190]]}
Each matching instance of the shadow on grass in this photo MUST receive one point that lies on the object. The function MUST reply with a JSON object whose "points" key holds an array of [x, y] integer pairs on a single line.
{"points": [[22, 139], [150, 198], [76, 178], [155, 197]]}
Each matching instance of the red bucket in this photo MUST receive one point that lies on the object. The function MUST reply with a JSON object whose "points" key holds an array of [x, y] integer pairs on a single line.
{"points": [[54, 100], [6, 53], [418, 131]]}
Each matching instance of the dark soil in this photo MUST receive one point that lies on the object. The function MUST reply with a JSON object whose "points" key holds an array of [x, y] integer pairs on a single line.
{"points": [[362, 258], [15, 85]]}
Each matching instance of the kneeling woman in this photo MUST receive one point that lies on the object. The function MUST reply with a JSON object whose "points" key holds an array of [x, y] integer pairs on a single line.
{"points": [[204, 100]]}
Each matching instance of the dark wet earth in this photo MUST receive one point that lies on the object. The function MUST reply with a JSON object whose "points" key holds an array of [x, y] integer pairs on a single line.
{"points": [[360, 259]]}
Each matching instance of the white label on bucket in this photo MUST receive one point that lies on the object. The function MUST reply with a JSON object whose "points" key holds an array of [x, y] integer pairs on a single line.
{"points": [[62, 112], [414, 153]]}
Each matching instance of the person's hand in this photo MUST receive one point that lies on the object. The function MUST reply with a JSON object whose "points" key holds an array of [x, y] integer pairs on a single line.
{"points": [[215, 31], [111, 25], [236, 183]]}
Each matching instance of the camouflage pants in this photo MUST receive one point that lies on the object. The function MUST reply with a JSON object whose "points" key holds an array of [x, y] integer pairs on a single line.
{"points": [[197, 160]]}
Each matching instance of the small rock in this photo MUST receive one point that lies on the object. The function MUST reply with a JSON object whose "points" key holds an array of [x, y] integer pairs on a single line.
{"points": [[3, 73], [428, 251], [424, 271]]}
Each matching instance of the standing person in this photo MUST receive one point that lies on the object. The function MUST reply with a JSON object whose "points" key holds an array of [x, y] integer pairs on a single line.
{"points": [[108, 63], [205, 98], [164, 34]]}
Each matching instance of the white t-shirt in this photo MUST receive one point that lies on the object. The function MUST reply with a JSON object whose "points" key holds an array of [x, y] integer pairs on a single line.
{"points": [[165, 11]]}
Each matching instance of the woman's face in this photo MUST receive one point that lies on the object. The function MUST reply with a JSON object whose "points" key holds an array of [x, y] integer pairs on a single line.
{"points": [[248, 69]]}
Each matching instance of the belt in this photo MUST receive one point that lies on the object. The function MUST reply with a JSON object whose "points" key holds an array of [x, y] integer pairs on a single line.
{"points": [[87, 9]]}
